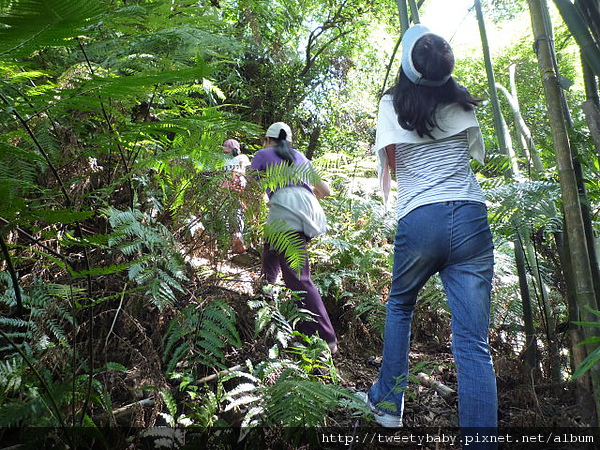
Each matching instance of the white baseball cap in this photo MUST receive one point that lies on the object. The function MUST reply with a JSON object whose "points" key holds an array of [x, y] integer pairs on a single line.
{"points": [[275, 129]]}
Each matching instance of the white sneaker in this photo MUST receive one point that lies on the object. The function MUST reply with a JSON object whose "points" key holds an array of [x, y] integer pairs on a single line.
{"points": [[382, 418]]}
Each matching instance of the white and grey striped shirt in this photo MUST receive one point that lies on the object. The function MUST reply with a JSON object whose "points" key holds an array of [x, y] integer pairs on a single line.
{"points": [[433, 172]]}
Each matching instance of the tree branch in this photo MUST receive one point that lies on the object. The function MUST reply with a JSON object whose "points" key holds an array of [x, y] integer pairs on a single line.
{"points": [[314, 35]]}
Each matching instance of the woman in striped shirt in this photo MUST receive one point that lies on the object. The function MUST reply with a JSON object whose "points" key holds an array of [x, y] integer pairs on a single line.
{"points": [[426, 132]]}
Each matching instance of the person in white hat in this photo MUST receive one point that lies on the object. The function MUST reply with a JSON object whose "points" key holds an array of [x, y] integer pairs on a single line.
{"points": [[426, 132], [297, 206]]}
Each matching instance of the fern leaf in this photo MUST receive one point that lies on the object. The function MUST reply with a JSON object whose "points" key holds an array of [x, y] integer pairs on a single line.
{"points": [[11, 375], [31, 24], [220, 313], [14, 413], [298, 402], [178, 356], [281, 175], [286, 241], [170, 402]]}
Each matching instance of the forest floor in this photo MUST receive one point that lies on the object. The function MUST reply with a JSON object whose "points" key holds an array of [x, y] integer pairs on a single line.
{"points": [[430, 401], [524, 400]]}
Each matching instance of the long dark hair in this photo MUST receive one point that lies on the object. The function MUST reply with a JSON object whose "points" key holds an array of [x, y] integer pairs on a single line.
{"points": [[283, 148], [416, 105]]}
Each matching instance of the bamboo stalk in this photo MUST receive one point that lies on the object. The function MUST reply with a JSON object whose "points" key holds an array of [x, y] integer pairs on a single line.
{"points": [[582, 273], [440, 388], [217, 375]]}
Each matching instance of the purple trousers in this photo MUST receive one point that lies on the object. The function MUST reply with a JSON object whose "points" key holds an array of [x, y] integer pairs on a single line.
{"points": [[274, 263]]}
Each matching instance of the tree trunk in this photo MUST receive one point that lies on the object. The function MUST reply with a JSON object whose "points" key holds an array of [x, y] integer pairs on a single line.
{"points": [[581, 270], [530, 339], [583, 384], [313, 141], [503, 137], [404, 17], [528, 144], [586, 215], [590, 84], [580, 31], [546, 310], [414, 11], [590, 9]]}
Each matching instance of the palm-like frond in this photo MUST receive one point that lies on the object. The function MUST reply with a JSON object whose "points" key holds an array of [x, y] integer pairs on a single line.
{"points": [[279, 235], [11, 375], [18, 172], [49, 316], [281, 175], [27, 25], [157, 262], [294, 402], [200, 334], [278, 318], [524, 206]]}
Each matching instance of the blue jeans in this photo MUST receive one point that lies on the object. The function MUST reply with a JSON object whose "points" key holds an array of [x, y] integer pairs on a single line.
{"points": [[454, 239]]}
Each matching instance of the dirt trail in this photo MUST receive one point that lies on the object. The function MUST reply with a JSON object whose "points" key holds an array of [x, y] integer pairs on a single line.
{"points": [[521, 404]]}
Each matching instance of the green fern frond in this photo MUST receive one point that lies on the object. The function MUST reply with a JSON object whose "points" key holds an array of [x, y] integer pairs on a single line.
{"points": [[11, 375], [170, 402], [212, 358], [99, 271], [92, 89], [371, 309], [181, 326], [263, 316], [433, 295], [159, 264], [239, 395], [223, 317], [286, 241], [211, 345], [14, 412], [32, 405], [205, 412], [217, 331], [270, 318], [17, 180], [527, 205], [293, 402], [28, 25], [56, 330], [273, 368], [49, 316], [210, 333], [13, 322], [497, 163], [64, 216], [281, 175], [201, 335], [177, 355]]}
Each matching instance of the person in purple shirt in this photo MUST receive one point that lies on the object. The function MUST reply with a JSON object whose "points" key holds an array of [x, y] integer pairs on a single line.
{"points": [[297, 206]]}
